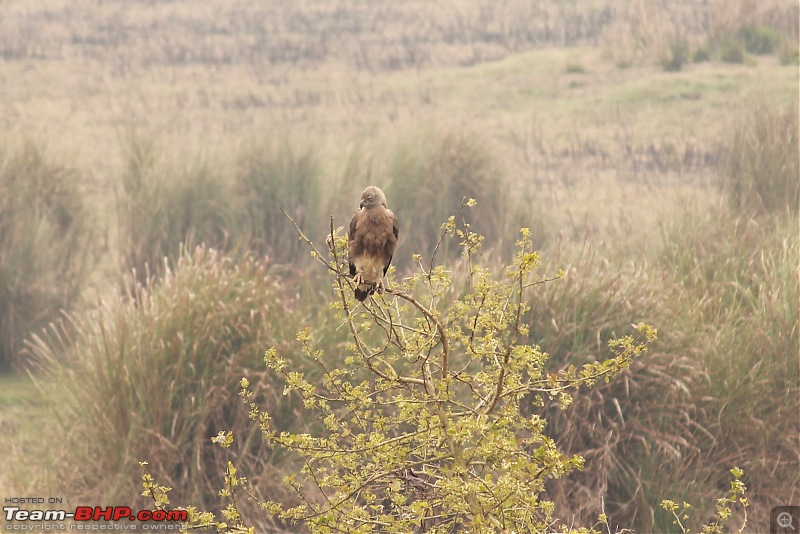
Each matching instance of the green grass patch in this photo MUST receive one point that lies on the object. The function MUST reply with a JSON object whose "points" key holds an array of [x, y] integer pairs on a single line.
{"points": [[22, 416]]}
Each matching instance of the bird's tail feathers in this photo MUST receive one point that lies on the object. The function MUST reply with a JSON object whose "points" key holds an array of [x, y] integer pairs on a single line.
{"points": [[363, 291]]}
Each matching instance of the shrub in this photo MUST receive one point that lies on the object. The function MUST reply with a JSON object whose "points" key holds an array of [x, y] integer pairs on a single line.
{"points": [[161, 208], [677, 56], [732, 51], [759, 39], [735, 498], [763, 161], [701, 54], [45, 243], [424, 425], [149, 375]]}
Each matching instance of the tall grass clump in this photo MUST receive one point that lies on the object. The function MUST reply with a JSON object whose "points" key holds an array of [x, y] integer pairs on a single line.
{"points": [[789, 54], [276, 175], [153, 376], [678, 54], [635, 430], [429, 177], [763, 172], [720, 387], [738, 284], [45, 243], [352, 172], [162, 206]]}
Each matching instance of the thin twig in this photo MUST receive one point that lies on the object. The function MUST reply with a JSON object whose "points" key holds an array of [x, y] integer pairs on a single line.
{"points": [[316, 253], [427, 313]]}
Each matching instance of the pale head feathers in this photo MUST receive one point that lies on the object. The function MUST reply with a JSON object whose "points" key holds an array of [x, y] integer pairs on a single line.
{"points": [[372, 197]]}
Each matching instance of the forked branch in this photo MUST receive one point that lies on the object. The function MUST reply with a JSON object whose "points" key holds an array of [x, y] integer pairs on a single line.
{"points": [[343, 277]]}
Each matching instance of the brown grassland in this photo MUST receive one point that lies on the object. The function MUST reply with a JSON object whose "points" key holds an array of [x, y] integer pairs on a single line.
{"points": [[607, 126]]}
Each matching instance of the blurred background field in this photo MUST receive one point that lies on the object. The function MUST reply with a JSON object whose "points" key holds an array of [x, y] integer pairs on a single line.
{"points": [[148, 146]]}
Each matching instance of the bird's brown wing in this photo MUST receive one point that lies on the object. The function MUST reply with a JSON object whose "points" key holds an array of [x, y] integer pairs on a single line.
{"points": [[351, 238], [391, 246]]}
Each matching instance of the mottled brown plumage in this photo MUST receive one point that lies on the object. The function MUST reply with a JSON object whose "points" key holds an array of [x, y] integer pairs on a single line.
{"points": [[371, 242]]}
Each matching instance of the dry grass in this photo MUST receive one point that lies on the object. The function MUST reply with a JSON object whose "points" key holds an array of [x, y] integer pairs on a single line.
{"points": [[719, 387], [429, 177], [600, 155], [747, 338], [274, 175], [763, 161], [221, 104], [160, 207], [46, 247], [152, 376]]}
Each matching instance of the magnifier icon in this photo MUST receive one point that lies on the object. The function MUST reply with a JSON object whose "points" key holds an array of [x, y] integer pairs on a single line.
{"points": [[785, 520]]}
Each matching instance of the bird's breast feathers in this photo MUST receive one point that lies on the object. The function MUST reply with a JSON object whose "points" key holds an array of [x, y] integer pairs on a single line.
{"points": [[374, 232], [373, 242]]}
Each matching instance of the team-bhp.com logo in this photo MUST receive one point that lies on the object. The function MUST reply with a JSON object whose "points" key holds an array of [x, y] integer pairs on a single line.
{"points": [[14, 514]]}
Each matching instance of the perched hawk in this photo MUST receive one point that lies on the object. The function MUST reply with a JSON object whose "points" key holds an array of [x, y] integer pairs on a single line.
{"points": [[371, 242]]}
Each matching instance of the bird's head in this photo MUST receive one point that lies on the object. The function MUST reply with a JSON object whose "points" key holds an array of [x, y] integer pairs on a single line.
{"points": [[372, 196]]}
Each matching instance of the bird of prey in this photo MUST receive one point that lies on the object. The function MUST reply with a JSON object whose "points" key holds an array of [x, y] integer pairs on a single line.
{"points": [[371, 242]]}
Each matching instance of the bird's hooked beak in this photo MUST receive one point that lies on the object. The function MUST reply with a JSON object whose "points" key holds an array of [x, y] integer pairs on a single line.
{"points": [[361, 204]]}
